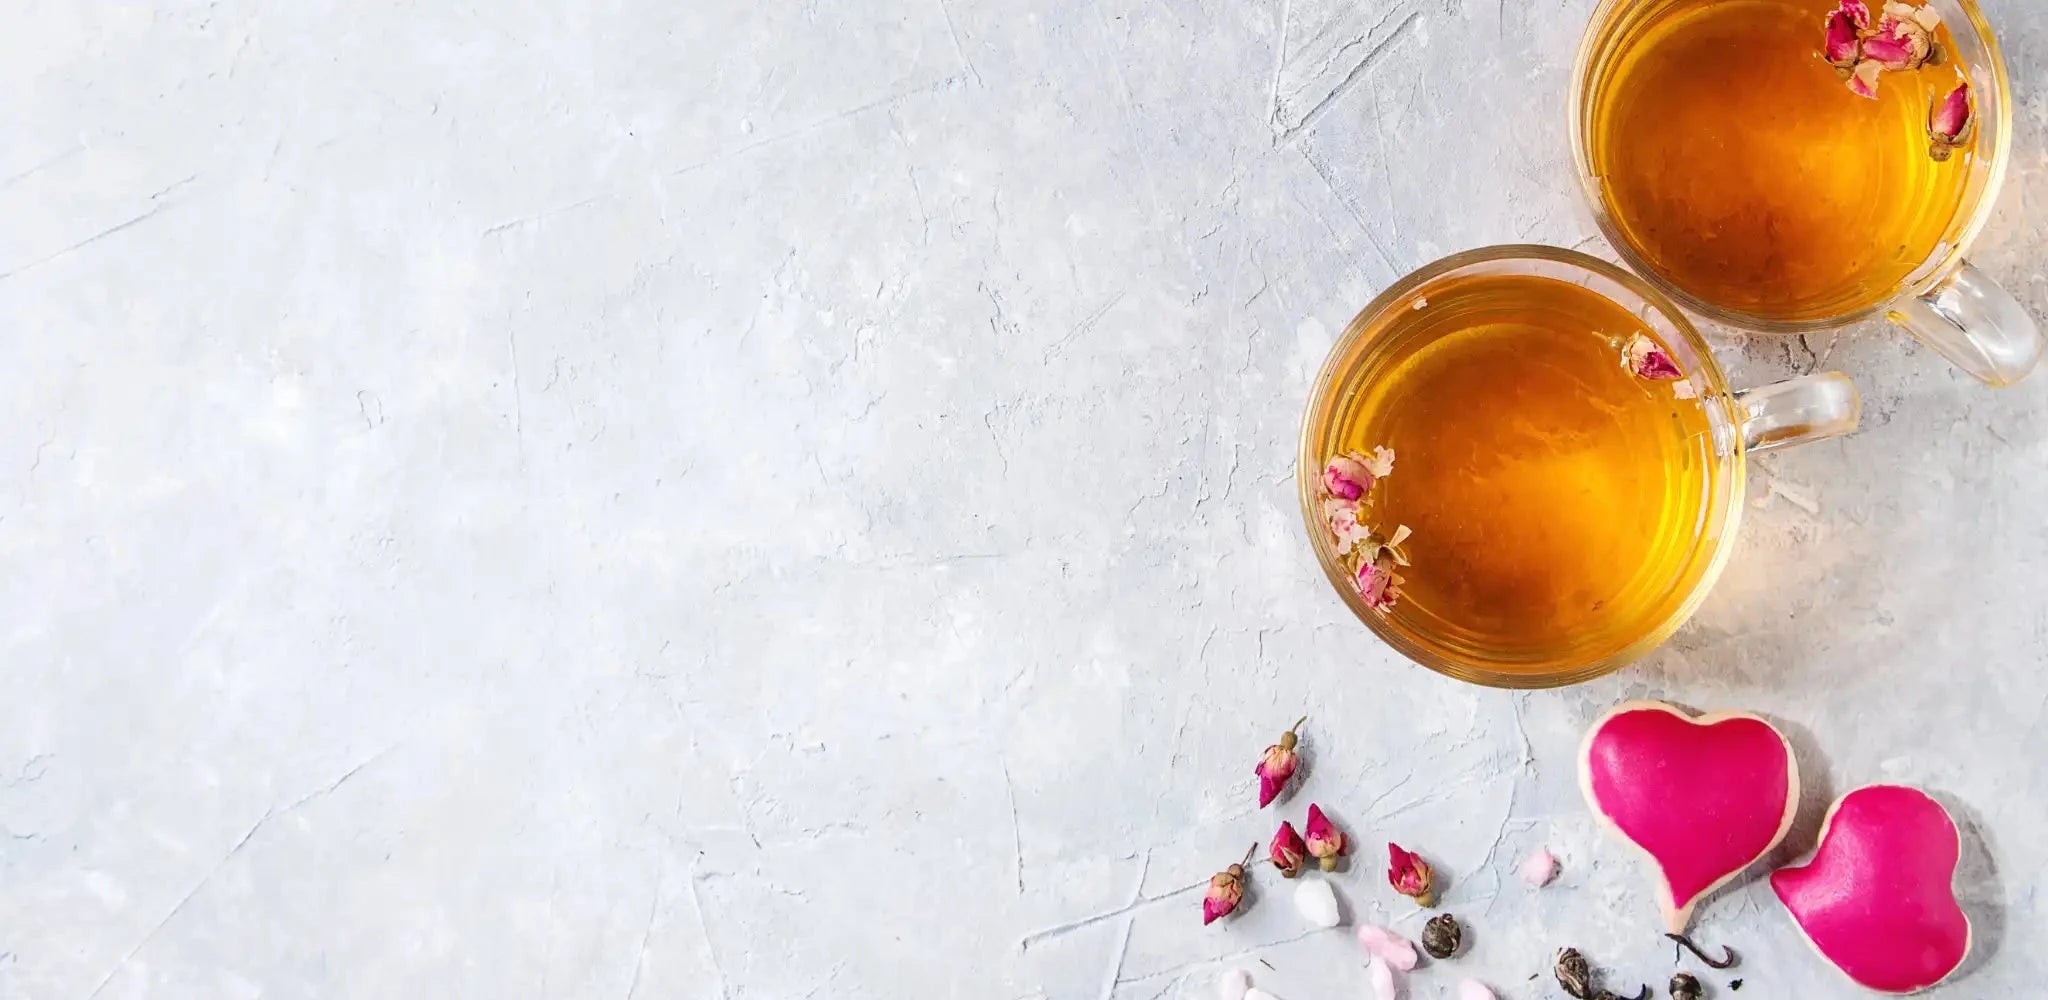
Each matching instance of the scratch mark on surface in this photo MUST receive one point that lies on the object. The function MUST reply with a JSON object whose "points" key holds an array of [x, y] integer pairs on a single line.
{"points": [[1123, 938], [910, 171], [647, 932], [1016, 829], [1389, 793], [13, 179], [1184, 967], [704, 931], [880, 102], [988, 420], [364, 398], [528, 220], [1138, 903], [1331, 182], [235, 61], [24, 777], [518, 398], [1116, 966], [1084, 326], [1351, 79], [1279, 64], [36, 460], [1130, 109], [180, 906], [959, 49], [90, 240], [343, 780], [173, 186]]}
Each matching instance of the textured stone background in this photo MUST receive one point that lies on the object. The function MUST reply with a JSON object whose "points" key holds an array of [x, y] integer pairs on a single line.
{"points": [[775, 500]]}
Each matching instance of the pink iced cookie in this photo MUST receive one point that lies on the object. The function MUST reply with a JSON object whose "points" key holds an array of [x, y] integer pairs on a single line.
{"points": [[1878, 898], [1703, 798]]}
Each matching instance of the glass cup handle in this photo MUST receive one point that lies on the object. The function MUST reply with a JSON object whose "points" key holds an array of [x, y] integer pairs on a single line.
{"points": [[1799, 411], [1975, 324]]}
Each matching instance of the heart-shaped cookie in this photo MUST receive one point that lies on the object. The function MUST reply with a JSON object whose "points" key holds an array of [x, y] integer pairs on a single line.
{"points": [[1703, 797], [1878, 899]]}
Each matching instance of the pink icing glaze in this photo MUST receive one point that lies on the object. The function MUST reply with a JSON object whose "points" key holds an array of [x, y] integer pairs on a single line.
{"points": [[1878, 898], [1703, 798]]}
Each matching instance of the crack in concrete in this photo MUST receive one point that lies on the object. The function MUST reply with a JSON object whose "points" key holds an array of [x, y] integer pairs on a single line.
{"points": [[1351, 78], [261, 821]]}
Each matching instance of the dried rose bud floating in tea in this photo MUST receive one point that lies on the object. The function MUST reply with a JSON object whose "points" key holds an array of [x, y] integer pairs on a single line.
{"points": [[1737, 158], [1550, 492], [1951, 124]]}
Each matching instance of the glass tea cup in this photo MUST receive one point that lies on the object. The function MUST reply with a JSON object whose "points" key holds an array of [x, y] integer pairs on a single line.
{"points": [[1942, 299], [1729, 426]]}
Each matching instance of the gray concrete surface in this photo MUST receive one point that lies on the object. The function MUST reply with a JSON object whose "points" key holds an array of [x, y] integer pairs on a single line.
{"points": [[777, 500]]}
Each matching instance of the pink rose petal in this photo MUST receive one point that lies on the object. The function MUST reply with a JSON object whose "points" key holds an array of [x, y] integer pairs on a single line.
{"points": [[1473, 989], [1347, 478], [1233, 985], [1386, 946], [1842, 47], [1378, 584], [1539, 867], [1856, 11], [1341, 517], [1386, 985], [1863, 79], [1381, 462], [1647, 359], [1899, 44]]}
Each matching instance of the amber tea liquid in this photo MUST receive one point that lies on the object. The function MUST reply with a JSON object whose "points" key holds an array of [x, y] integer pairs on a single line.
{"points": [[1742, 170], [1557, 501]]}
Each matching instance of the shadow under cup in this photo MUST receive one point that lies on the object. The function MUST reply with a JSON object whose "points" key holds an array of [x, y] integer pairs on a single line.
{"points": [[1723, 199], [1736, 423]]}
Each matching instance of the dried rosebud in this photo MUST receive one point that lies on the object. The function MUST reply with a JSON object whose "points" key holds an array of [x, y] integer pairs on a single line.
{"points": [[1442, 936], [1226, 890], [1863, 79], [1351, 475], [1900, 42], [1287, 850], [1951, 124], [1378, 584], [1277, 765], [1574, 976], [1924, 15], [1647, 359], [1325, 841], [1341, 517], [1843, 45], [1857, 11], [1409, 874]]}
